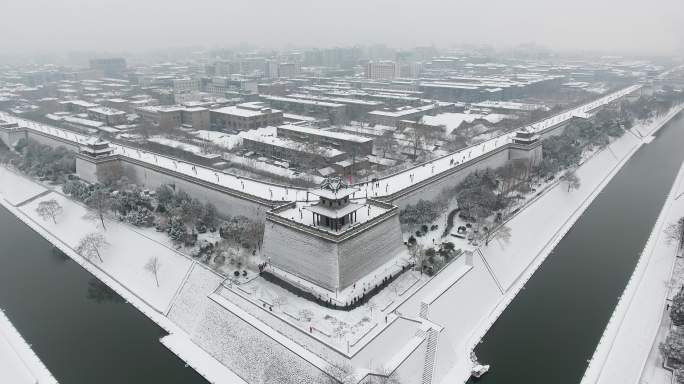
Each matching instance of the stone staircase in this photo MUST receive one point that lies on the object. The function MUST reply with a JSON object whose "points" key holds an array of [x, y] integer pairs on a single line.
{"points": [[424, 310], [430, 354]]}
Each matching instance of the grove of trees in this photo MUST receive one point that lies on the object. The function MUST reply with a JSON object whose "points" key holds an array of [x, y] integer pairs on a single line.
{"points": [[672, 348], [43, 161]]}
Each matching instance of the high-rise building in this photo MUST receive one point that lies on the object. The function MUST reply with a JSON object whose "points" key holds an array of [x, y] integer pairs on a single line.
{"points": [[110, 67], [381, 70]]}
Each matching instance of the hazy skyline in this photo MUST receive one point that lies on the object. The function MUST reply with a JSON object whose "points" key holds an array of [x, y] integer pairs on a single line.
{"points": [[630, 26]]}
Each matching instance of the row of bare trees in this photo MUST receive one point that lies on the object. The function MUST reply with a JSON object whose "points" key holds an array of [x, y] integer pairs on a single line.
{"points": [[92, 244]]}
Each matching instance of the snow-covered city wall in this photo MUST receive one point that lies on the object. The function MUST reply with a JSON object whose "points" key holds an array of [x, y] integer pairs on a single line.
{"points": [[368, 250], [431, 188], [51, 140], [227, 204], [309, 257], [10, 136]]}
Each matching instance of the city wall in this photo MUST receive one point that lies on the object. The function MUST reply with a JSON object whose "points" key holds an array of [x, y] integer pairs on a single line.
{"points": [[230, 202]]}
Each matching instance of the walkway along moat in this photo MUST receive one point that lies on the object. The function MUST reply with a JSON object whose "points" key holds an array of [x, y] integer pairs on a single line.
{"points": [[551, 328]]}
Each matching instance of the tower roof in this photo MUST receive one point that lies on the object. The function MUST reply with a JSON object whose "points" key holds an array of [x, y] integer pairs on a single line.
{"points": [[333, 188]]}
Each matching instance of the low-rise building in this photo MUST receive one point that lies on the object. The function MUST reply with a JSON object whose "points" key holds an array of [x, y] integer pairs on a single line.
{"points": [[335, 112], [175, 116], [295, 152], [109, 116], [352, 144], [246, 116], [394, 116]]}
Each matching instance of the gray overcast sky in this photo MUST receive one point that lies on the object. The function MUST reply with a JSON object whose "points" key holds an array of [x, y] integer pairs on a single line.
{"points": [[649, 26]]}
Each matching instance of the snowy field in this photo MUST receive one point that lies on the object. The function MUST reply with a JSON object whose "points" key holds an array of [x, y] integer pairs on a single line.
{"points": [[335, 327], [16, 189], [125, 256]]}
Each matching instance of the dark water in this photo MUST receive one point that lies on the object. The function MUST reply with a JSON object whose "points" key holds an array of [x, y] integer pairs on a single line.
{"points": [[552, 327], [83, 331]]}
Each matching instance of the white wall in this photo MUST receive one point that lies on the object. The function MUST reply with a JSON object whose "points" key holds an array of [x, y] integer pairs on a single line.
{"points": [[226, 204], [304, 255], [370, 249], [430, 191]]}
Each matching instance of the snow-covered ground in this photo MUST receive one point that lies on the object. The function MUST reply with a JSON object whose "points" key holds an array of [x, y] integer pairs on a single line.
{"points": [[513, 263], [223, 139], [626, 352], [17, 189], [453, 120], [335, 327], [205, 364], [176, 144], [270, 168], [18, 363], [125, 256]]}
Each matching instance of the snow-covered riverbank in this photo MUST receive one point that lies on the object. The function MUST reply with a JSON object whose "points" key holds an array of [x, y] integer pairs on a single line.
{"points": [[512, 264], [466, 306], [18, 363], [622, 354], [123, 266]]}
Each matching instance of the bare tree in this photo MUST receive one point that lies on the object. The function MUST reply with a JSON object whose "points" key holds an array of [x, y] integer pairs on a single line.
{"points": [[306, 314], [385, 142], [675, 232], [418, 256], [502, 233], [110, 173], [91, 245], [49, 210], [152, 267], [415, 137], [372, 305], [279, 301], [100, 202], [571, 179]]}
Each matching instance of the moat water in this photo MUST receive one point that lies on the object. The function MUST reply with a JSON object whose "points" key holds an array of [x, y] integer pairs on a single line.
{"points": [[82, 331], [551, 329], [85, 333]]}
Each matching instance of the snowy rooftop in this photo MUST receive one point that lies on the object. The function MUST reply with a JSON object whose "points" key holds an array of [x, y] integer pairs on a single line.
{"points": [[85, 122], [107, 111], [407, 111], [321, 132], [302, 213], [508, 105], [243, 112], [302, 101], [387, 185], [291, 144]]}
